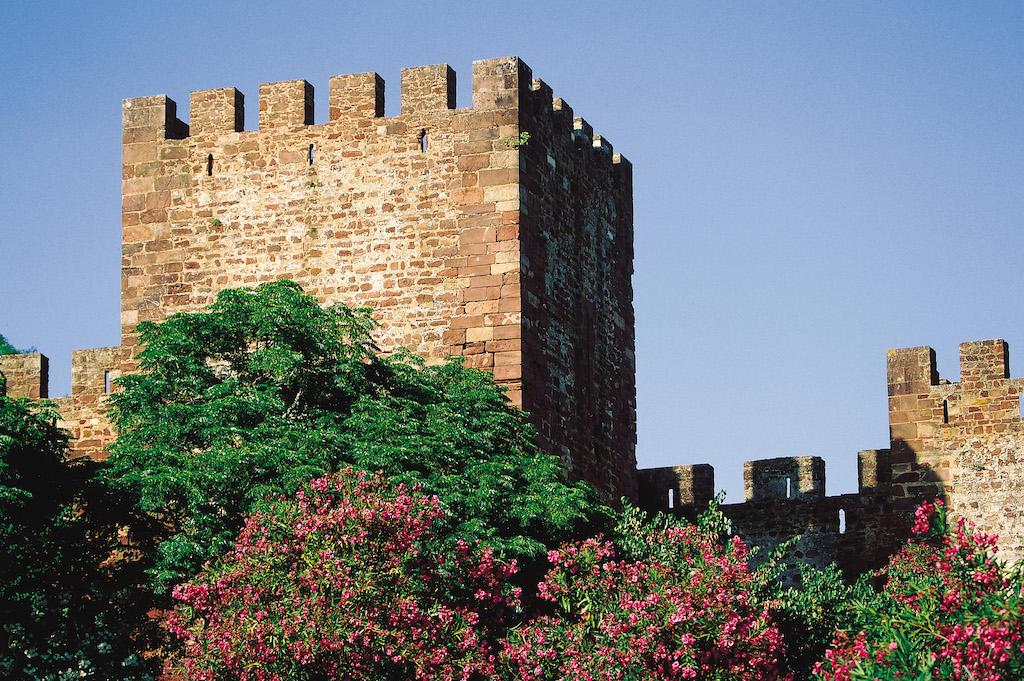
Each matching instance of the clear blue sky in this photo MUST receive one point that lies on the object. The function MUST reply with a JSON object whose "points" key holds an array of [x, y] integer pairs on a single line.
{"points": [[814, 182]]}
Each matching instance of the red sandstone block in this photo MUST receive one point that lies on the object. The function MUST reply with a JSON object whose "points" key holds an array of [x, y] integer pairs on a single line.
{"points": [[133, 203], [470, 195], [154, 215], [473, 249], [466, 322], [138, 153], [477, 235], [484, 280], [477, 208], [475, 119], [482, 361], [475, 148], [483, 220], [472, 162], [454, 337], [480, 134], [161, 199], [510, 304], [506, 345], [508, 332], [474, 294], [172, 153], [498, 176], [482, 307], [473, 349], [508, 372], [508, 233], [475, 273]]}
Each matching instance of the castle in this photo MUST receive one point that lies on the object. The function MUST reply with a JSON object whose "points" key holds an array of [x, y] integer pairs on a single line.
{"points": [[501, 233]]}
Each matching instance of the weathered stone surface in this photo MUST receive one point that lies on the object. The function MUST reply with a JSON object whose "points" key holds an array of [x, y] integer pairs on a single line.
{"points": [[960, 442], [465, 239]]}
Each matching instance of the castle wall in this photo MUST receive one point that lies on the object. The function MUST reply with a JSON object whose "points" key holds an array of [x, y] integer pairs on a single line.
{"points": [[362, 209], [959, 442], [26, 375], [577, 255], [465, 239], [785, 498]]}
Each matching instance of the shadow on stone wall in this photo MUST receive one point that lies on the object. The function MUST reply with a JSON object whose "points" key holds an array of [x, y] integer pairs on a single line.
{"points": [[785, 498]]}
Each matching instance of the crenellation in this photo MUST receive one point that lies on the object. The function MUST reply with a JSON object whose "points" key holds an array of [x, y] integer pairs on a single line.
{"points": [[26, 375], [874, 471], [959, 442], [427, 89], [676, 487], [984, 360], [798, 478], [584, 131], [439, 218], [147, 119], [356, 96], [215, 112], [286, 104], [500, 83]]}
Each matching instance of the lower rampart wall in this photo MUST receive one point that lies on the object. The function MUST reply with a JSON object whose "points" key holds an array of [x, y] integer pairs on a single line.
{"points": [[83, 412], [785, 499]]}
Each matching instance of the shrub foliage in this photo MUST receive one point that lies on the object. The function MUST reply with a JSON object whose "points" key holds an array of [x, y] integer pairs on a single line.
{"points": [[265, 390]]}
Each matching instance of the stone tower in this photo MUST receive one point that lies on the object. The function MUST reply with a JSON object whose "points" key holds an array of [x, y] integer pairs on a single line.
{"points": [[501, 232]]}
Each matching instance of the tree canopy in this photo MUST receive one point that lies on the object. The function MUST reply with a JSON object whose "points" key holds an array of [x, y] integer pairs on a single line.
{"points": [[6, 348], [265, 389], [65, 608]]}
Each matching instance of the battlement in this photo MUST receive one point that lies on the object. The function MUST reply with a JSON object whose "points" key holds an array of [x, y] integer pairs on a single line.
{"points": [[26, 375], [801, 478], [498, 84], [793, 479], [784, 498], [956, 441], [923, 408], [476, 232]]}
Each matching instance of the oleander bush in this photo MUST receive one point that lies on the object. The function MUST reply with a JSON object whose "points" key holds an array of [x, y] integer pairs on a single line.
{"points": [[334, 584], [947, 610]]}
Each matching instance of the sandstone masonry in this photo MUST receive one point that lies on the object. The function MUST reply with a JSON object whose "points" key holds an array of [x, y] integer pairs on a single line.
{"points": [[960, 442], [501, 233]]}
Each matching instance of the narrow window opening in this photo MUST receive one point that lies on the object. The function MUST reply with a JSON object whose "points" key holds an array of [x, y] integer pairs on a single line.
{"points": [[1020, 404], [423, 141], [945, 411], [789, 488], [671, 498], [842, 521], [311, 152], [209, 165], [106, 382]]}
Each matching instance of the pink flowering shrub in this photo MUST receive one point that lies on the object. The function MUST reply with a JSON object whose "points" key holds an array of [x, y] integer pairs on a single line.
{"points": [[332, 585], [947, 610], [681, 612]]}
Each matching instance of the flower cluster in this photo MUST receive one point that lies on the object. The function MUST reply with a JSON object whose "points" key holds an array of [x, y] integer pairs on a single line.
{"points": [[947, 611], [333, 585], [684, 618]]}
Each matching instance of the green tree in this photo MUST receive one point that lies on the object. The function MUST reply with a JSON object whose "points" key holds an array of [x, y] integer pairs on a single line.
{"points": [[65, 608], [265, 389], [6, 348]]}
